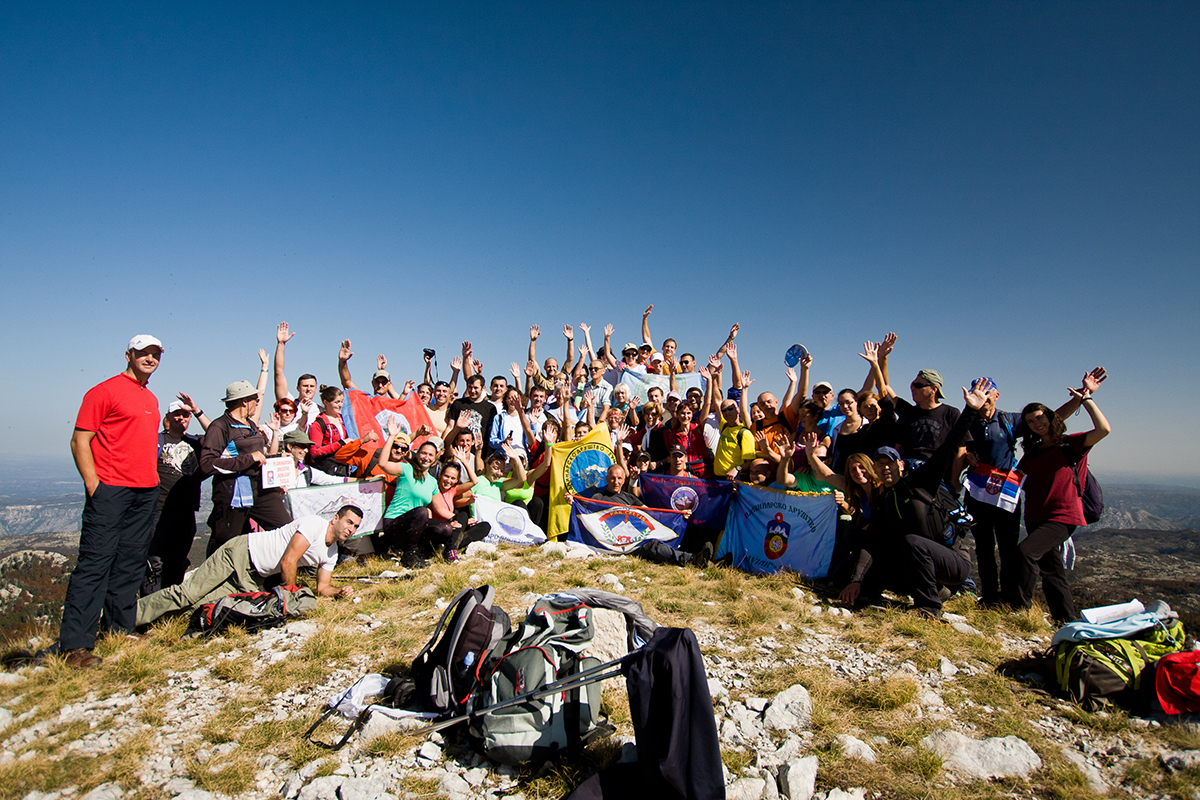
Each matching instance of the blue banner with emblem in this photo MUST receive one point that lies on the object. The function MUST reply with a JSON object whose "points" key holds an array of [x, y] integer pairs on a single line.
{"points": [[707, 500], [622, 529], [769, 530]]}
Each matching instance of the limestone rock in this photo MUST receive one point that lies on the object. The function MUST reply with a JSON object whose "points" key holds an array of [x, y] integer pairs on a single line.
{"points": [[791, 709], [798, 778], [853, 747], [991, 758]]}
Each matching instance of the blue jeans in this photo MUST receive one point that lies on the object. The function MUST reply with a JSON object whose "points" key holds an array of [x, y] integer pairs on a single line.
{"points": [[113, 541]]}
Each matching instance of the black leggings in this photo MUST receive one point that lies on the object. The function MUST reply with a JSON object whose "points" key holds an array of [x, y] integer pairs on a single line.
{"points": [[410, 530], [1041, 552]]}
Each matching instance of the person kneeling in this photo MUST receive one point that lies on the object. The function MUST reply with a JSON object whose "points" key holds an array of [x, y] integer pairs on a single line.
{"points": [[245, 562]]}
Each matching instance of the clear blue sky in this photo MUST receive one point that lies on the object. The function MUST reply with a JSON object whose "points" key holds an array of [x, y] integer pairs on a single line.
{"points": [[1014, 188]]}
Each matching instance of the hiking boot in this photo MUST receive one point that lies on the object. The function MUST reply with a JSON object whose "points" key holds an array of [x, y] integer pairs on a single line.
{"points": [[81, 658], [412, 560], [703, 558]]}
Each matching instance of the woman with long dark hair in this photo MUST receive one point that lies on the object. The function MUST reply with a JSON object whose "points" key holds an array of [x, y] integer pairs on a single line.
{"points": [[1053, 504]]}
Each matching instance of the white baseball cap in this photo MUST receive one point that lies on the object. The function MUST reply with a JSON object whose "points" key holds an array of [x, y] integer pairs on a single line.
{"points": [[144, 340]]}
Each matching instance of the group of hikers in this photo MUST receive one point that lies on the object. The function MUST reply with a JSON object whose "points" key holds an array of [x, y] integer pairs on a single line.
{"points": [[892, 465]]}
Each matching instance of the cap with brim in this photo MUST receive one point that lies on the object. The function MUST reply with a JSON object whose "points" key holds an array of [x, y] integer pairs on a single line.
{"points": [[142, 341], [934, 377], [629, 346], [381, 373], [297, 437], [888, 452], [239, 390]]}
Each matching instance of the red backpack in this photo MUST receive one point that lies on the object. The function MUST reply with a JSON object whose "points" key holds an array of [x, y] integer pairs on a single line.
{"points": [[1177, 682]]}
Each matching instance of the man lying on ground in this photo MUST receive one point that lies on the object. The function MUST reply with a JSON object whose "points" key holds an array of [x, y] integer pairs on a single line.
{"points": [[245, 562]]}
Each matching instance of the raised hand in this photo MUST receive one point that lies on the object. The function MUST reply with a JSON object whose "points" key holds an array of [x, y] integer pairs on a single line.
{"points": [[456, 363], [530, 368], [188, 405], [1093, 379], [282, 335], [262, 356], [381, 361], [977, 397], [534, 333], [344, 353], [569, 332], [887, 344]]}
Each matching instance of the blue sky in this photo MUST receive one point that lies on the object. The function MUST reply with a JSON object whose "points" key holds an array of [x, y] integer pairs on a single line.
{"points": [[1014, 188]]}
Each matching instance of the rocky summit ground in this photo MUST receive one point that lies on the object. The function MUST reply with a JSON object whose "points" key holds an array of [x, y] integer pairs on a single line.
{"points": [[811, 700]]}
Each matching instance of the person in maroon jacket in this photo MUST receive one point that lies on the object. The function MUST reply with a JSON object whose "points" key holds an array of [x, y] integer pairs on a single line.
{"points": [[115, 446]]}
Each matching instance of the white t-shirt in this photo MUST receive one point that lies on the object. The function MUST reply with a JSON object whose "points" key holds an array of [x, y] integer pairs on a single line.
{"points": [[267, 547]]}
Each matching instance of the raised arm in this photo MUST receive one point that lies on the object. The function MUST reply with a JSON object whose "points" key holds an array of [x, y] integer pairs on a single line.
{"points": [[569, 333], [282, 337], [1100, 426], [344, 356], [534, 333], [468, 366], [608, 353], [820, 469]]}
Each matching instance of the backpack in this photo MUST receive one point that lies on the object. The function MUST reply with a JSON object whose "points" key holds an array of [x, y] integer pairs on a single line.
{"points": [[1177, 682], [1091, 494], [444, 672], [1099, 672], [328, 464], [253, 611], [545, 648], [948, 520]]}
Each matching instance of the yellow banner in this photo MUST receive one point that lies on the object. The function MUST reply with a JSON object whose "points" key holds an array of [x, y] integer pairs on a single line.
{"points": [[576, 467]]}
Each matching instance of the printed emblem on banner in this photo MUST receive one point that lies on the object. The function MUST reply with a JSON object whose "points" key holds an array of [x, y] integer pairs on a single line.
{"points": [[622, 527], [684, 498], [511, 521], [995, 482], [776, 542], [587, 468]]}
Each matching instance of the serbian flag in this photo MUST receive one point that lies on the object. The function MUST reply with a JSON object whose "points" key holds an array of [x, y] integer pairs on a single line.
{"points": [[707, 500], [576, 467], [769, 530], [640, 383], [996, 487], [621, 529], [362, 413]]}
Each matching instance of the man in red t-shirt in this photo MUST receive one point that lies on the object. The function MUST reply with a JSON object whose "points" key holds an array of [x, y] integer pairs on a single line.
{"points": [[115, 446]]}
